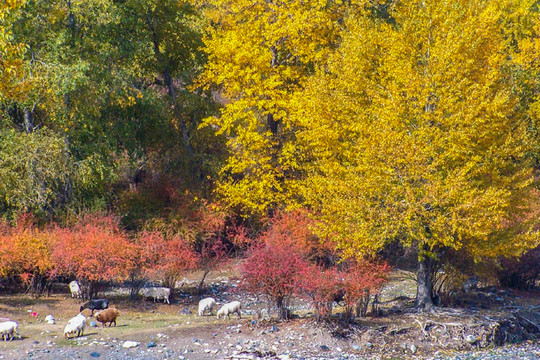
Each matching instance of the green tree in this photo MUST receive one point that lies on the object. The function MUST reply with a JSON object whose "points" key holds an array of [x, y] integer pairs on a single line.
{"points": [[112, 79], [415, 134]]}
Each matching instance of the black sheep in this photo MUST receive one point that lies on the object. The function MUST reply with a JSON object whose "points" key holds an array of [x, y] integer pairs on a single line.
{"points": [[97, 304]]}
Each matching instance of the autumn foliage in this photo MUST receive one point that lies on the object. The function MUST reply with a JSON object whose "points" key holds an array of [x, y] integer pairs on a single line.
{"points": [[25, 252], [165, 257], [353, 284], [289, 260], [94, 250], [274, 269]]}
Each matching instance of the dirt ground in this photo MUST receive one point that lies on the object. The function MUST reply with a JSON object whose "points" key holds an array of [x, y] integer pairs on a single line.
{"points": [[484, 320]]}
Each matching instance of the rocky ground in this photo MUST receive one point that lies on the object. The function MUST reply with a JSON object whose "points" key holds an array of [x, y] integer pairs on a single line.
{"points": [[489, 324]]}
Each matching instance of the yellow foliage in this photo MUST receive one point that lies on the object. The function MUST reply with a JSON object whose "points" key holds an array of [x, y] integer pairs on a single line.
{"points": [[415, 132], [12, 83], [259, 54]]}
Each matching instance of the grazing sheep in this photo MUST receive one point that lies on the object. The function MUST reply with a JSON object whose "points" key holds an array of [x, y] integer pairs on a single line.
{"points": [[157, 293], [107, 316], [97, 304], [75, 289], [206, 304], [49, 319], [75, 326], [7, 329], [230, 308]]}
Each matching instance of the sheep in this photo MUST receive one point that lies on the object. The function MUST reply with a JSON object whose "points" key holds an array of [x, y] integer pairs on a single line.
{"points": [[206, 304], [157, 293], [49, 319], [107, 316], [7, 329], [75, 325], [230, 308], [97, 304], [75, 289]]}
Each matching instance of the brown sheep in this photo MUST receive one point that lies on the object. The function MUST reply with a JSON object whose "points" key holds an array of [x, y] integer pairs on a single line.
{"points": [[107, 316]]}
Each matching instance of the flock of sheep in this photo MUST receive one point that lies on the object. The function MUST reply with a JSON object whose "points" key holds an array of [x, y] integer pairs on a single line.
{"points": [[75, 326]]}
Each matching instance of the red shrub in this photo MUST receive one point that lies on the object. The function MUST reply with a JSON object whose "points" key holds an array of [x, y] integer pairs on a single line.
{"points": [[25, 253], [321, 287], [359, 281], [95, 250], [296, 227], [274, 269], [354, 285], [165, 257]]}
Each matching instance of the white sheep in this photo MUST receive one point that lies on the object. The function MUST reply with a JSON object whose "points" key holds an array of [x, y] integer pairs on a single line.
{"points": [[7, 329], [49, 319], [75, 325], [230, 308], [157, 293], [206, 304], [75, 289]]}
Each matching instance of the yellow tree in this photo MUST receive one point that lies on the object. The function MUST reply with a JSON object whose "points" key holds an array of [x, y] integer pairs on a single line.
{"points": [[415, 134], [259, 54], [11, 63]]}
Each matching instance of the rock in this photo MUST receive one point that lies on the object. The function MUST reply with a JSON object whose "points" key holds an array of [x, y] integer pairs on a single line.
{"points": [[369, 345], [284, 357], [274, 328], [471, 339], [95, 354], [413, 348], [338, 349], [130, 344], [185, 311], [93, 324], [324, 348], [151, 344], [356, 347]]}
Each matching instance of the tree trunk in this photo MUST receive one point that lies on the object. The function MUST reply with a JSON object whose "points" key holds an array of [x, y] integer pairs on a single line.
{"points": [[201, 283], [424, 299], [28, 120], [283, 313]]}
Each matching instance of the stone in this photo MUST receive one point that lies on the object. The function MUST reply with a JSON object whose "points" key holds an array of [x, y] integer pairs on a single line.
{"points": [[185, 311], [151, 344], [471, 339], [95, 354], [413, 348], [93, 324], [325, 348], [274, 328], [356, 347], [49, 319], [130, 344]]}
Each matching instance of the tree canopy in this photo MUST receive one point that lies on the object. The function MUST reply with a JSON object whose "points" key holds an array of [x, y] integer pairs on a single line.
{"points": [[416, 133]]}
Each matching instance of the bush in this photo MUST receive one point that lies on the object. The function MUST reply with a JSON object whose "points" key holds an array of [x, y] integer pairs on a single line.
{"points": [[25, 254], [321, 287], [274, 269], [96, 250], [354, 285]]}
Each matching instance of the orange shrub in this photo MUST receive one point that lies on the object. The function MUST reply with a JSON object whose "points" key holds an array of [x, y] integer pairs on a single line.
{"points": [[95, 250]]}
